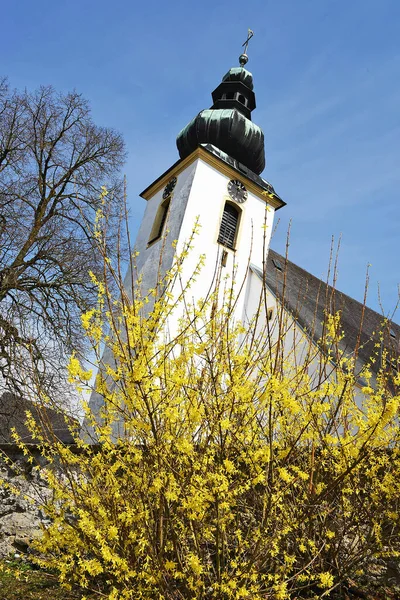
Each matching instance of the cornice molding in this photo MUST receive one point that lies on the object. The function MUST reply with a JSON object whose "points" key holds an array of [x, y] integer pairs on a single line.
{"points": [[221, 166]]}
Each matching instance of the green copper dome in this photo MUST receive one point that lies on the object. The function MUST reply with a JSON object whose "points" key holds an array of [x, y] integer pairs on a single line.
{"points": [[227, 124], [239, 74], [228, 130]]}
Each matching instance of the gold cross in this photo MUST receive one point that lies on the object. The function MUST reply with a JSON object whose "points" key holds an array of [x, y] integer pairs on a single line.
{"points": [[246, 43]]}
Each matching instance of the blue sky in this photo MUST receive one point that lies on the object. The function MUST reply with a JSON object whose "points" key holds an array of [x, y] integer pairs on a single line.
{"points": [[327, 84]]}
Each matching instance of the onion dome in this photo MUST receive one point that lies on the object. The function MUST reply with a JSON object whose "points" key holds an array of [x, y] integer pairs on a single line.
{"points": [[239, 74], [227, 124]]}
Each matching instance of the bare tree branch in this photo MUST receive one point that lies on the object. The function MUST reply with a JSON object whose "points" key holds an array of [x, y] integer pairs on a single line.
{"points": [[53, 162]]}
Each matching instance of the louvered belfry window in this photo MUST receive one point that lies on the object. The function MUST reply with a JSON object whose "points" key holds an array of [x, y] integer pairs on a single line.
{"points": [[163, 218], [229, 223], [159, 222]]}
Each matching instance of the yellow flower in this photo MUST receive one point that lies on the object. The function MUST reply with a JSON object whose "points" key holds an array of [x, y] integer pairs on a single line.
{"points": [[170, 565], [225, 424], [229, 466], [326, 580], [194, 563]]}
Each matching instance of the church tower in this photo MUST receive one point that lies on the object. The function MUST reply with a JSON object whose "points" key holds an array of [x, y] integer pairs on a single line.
{"points": [[216, 182]]}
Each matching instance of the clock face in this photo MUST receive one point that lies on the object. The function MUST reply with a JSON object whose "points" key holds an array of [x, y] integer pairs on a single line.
{"points": [[169, 188], [237, 191]]}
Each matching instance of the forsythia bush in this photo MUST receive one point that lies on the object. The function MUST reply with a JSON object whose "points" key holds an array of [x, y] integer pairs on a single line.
{"points": [[236, 473]]}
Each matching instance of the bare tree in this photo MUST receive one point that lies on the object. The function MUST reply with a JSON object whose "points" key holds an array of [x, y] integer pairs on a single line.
{"points": [[53, 162]]}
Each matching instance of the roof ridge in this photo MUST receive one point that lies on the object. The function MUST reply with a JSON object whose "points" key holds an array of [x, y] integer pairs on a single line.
{"points": [[334, 289]]}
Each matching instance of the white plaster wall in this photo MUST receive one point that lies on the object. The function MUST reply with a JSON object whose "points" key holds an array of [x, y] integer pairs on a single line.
{"points": [[256, 299], [201, 191], [260, 298], [148, 260], [206, 201]]}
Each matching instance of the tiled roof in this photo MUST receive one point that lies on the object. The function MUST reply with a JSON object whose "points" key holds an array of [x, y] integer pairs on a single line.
{"points": [[12, 415], [308, 299]]}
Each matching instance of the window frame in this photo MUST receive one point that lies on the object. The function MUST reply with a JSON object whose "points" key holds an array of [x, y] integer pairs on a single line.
{"points": [[239, 211], [160, 220]]}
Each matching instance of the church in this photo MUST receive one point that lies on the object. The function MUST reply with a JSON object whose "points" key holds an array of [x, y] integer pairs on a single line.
{"points": [[216, 186]]}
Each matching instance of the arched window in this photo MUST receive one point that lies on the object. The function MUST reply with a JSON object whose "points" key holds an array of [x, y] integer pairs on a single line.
{"points": [[229, 225], [159, 221]]}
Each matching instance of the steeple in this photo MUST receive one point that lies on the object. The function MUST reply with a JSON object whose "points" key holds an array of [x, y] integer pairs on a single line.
{"points": [[215, 190], [227, 124]]}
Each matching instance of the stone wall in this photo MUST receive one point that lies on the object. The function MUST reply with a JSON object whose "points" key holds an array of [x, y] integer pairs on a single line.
{"points": [[22, 491]]}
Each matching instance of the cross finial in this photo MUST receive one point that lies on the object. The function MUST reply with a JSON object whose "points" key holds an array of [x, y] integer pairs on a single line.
{"points": [[250, 34], [243, 58]]}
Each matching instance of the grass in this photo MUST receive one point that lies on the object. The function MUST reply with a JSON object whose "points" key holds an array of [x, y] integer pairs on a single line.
{"points": [[21, 581]]}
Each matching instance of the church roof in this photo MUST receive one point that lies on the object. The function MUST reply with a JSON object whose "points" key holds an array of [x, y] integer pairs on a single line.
{"points": [[53, 423], [309, 299], [227, 123]]}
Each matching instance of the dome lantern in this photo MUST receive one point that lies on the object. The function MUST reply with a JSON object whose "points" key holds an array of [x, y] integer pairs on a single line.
{"points": [[227, 124]]}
